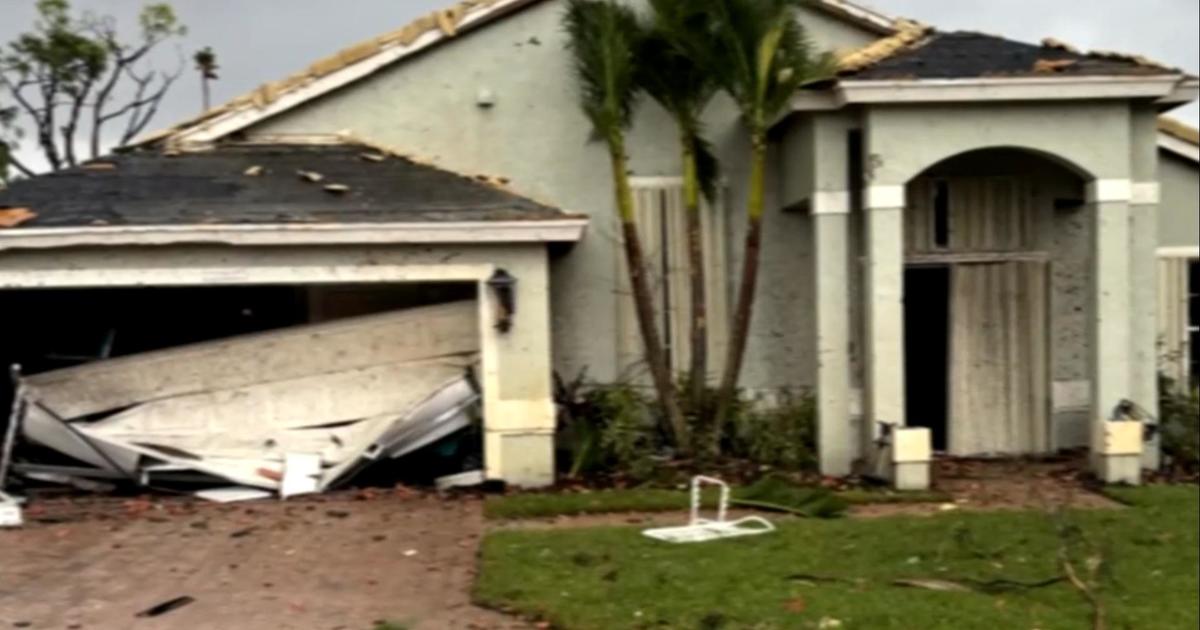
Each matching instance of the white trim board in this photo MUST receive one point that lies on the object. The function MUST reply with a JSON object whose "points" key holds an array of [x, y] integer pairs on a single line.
{"points": [[564, 230], [1185, 251], [851, 91], [1182, 148]]}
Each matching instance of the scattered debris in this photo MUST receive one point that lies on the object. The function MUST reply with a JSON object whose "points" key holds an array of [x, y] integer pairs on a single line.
{"points": [[13, 217], [167, 606], [337, 189], [461, 480], [310, 176], [1051, 66], [329, 401], [100, 166], [703, 530], [232, 494], [1057, 44], [372, 157], [908, 34], [10, 512], [254, 171], [242, 533]]}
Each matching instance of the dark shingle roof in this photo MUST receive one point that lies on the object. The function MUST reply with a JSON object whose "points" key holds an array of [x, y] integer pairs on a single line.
{"points": [[257, 184], [962, 55]]}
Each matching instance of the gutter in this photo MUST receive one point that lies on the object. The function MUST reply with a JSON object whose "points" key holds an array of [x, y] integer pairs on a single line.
{"points": [[462, 232]]}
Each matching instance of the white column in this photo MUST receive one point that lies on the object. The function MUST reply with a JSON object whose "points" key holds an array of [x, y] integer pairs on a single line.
{"points": [[831, 215], [1143, 245], [905, 459], [1115, 446], [884, 295]]}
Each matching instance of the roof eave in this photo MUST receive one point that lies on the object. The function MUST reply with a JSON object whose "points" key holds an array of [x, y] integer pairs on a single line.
{"points": [[568, 229]]}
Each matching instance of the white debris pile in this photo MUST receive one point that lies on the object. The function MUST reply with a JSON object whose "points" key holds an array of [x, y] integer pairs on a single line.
{"points": [[293, 411]]}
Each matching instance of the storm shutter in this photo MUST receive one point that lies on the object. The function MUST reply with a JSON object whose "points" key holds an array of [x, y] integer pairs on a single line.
{"points": [[662, 223]]}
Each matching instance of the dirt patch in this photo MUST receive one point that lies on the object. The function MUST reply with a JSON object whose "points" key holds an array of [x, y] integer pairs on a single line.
{"points": [[315, 564]]}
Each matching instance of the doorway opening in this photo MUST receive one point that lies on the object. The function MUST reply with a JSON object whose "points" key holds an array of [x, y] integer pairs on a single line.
{"points": [[927, 349]]}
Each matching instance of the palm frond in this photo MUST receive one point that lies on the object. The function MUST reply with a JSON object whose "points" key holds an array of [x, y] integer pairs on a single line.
{"points": [[604, 37], [708, 168]]}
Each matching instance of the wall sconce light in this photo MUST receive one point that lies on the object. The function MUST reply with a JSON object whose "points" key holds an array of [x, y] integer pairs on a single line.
{"points": [[504, 286]]}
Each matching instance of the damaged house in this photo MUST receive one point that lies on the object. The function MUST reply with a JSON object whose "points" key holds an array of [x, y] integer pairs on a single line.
{"points": [[973, 245]]}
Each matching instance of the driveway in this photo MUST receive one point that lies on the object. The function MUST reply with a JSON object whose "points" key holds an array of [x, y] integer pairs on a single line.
{"points": [[323, 563]]}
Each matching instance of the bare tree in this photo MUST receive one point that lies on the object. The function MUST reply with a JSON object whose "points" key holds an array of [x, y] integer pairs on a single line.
{"points": [[69, 78]]}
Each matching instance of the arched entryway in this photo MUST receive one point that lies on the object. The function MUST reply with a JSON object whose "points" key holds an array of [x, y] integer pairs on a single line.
{"points": [[996, 276]]}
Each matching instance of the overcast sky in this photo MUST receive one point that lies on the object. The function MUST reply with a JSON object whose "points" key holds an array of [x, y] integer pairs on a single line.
{"points": [[262, 40]]}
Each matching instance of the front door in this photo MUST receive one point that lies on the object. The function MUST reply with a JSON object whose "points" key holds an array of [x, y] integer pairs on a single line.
{"points": [[999, 359]]}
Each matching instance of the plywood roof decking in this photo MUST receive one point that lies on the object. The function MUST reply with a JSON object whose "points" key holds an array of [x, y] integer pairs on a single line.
{"points": [[1179, 130], [919, 52], [263, 184]]}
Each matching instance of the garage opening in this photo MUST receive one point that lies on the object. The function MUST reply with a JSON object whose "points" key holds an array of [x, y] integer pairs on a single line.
{"points": [[50, 331]]}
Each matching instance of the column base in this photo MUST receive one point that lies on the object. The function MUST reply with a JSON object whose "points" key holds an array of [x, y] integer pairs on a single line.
{"points": [[1118, 469], [911, 476], [525, 460], [905, 462]]}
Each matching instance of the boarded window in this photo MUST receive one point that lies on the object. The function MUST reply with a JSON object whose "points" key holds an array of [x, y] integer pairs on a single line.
{"points": [[662, 223], [970, 214], [1178, 321]]}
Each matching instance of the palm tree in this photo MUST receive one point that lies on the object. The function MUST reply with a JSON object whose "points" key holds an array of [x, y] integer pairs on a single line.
{"points": [[206, 65], [604, 37], [671, 76], [760, 55]]}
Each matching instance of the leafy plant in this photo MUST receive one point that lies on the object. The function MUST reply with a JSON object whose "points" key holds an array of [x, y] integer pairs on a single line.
{"points": [[1179, 417], [609, 427], [784, 436]]}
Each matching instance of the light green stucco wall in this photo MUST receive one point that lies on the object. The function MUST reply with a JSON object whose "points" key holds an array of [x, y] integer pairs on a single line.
{"points": [[536, 137], [1179, 213]]}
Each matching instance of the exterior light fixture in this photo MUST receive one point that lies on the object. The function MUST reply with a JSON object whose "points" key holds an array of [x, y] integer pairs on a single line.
{"points": [[504, 286]]}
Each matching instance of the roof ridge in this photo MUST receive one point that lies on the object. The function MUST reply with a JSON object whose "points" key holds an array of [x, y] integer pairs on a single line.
{"points": [[445, 23]]}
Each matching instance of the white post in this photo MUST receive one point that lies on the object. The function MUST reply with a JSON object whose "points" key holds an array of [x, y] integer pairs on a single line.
{"points": [[1143, 246], [831, 213], [905, 458], [1116, 447]]}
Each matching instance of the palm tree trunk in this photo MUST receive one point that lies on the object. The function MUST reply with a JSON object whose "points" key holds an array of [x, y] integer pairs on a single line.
{"points": [[635, 258], [745, 302], [699, 367]]}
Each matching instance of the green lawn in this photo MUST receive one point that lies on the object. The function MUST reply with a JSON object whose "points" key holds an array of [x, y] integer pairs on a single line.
{"points": [[549, 505], [612, 578]]}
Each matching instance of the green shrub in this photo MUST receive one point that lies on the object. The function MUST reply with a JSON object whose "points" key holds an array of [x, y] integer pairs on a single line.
{"points": [[784, 436], [609, 428], [1179, 418]]}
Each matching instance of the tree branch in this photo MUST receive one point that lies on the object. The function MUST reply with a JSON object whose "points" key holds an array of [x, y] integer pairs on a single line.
{"points": [[16, 163]]}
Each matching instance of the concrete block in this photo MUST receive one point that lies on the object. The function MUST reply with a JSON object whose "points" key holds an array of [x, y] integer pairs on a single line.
{"points": [[1115, 469], [524, 460], [912, 445], [1122, 438], [911, 476]]}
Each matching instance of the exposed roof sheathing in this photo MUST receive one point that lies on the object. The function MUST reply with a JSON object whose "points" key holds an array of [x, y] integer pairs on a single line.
{"points": [[428, 30], [341, 183], [1179, 130]]}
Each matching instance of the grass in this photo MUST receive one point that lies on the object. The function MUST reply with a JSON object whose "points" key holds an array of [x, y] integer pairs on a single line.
{"points": [[613, 578], [534, 506]]}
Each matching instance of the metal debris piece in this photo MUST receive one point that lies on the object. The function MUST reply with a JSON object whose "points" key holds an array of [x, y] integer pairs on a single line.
{"points": [[310, 176], [301, 474], [253, 171], [79, 483], [167, 606], [337, 189], [462, 480], [10, 512], [232, 494], [13, 217], [704, 530]]}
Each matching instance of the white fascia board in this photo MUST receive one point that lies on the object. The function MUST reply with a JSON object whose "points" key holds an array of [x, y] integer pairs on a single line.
{"points": [[1005, 89], [1185, 92], [1183, 251], [242, 117], [477, 232], [862, 14], [1182, 148]]}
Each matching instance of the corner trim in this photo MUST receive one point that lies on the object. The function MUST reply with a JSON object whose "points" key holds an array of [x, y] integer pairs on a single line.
{"points": [[830, 202], [884, 197], [1109, 191]]}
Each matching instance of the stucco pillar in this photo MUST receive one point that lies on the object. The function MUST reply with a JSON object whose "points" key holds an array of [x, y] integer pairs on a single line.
{"points": [[1115, 445], [1143, 245], [519, 418], [904, 457], [831, 215]]}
